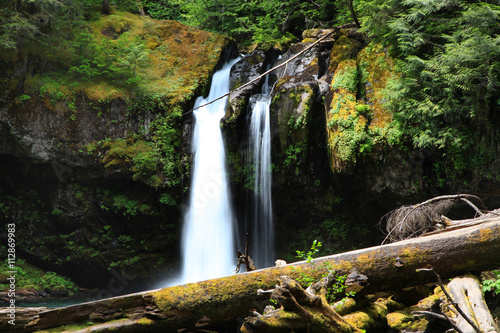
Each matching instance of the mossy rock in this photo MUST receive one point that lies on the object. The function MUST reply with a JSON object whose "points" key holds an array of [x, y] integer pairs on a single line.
{"points": [[346, 128], [59, 291], [293, 102], [343, 49], [404, 319], [376, 68]]}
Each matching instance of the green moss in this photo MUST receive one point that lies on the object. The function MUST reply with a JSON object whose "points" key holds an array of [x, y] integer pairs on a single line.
{"points": [[370, 318], [343, 49], [357, 119], [229, 291], [132, 62], [346, 76], [376, 70]]}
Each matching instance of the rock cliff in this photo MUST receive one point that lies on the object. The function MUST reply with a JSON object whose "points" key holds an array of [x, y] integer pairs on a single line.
{"points": [[337, 168]]}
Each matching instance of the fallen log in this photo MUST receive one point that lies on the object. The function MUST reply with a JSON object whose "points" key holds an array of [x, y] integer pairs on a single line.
{"points": [[14, 319], [226, 301]]}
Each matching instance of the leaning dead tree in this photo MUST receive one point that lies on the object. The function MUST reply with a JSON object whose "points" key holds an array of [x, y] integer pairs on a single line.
{"points": [[413, 220], [245, 259]]}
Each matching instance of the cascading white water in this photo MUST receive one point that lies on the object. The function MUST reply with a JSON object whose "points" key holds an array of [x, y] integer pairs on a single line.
{"points": [[262, 230], [208, 246]]}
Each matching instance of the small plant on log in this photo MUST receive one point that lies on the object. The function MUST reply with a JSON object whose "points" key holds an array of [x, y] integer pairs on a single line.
{"points": [[308, 279], [337, 286], [309, 256]]}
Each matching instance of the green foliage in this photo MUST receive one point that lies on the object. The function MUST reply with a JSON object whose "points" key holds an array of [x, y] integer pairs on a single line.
{"points": [[135, 55], [259, 22], [167, 199], [51, 280], [103, 58], [28, 277], [352, 141], [29, 19], [447, 93], [162, 9], [292, 158], [126, 205], [493, 285], [337, 287], [155, 162], [309, 256]]}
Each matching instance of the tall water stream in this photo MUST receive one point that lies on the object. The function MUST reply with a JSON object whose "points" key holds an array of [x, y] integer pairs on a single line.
{"points": [[208, 242], [262, 228]]}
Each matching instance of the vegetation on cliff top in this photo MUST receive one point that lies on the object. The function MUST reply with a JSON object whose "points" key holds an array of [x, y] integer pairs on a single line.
{"points": [[86, 59], [447, 94]]}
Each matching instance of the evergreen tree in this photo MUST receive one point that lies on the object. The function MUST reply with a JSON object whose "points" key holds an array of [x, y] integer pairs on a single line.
{"points": [[447, 95]]}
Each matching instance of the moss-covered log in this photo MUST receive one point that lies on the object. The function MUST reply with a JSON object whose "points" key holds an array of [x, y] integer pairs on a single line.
{"points": [[226, 301]]}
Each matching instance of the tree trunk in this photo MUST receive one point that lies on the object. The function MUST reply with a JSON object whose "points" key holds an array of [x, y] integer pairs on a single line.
{"points": [[227, 300], [353, 13], [105, 7], [140, 8]]}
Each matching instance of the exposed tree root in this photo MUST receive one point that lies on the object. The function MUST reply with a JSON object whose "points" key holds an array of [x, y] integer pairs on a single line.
{"points": [[412, 221]]}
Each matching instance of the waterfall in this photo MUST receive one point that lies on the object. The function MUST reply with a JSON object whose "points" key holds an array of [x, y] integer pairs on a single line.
{"points": [[262, 230], [208, 245]]}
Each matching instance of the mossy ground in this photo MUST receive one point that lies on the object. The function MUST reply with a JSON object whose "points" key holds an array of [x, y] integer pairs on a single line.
{"points": [[122, 60], [31, 278]]}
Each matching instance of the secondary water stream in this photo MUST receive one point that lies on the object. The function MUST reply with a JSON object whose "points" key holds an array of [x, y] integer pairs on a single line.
{"points": [[262, 228]]}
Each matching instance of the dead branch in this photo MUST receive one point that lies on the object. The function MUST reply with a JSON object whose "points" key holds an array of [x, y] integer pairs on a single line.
{"points": [[245, 259], [299, 310], [450, 299], [438, 316]]}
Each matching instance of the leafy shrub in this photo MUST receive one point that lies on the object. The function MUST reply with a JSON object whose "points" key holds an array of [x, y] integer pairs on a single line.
{"points": [[493, 285], [28, 277], [450, 51]]}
